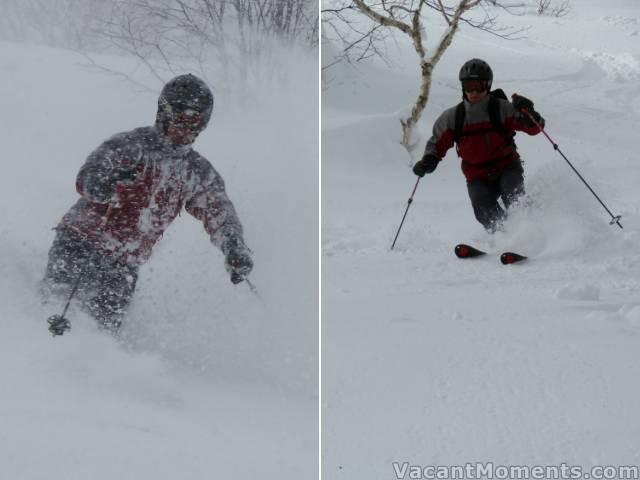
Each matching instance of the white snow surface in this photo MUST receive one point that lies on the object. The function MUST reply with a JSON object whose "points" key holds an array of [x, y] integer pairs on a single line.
{"points": [[433, 360], [208, 380]]}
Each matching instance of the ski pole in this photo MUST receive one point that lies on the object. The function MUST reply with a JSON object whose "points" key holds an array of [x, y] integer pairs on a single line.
{"points": [[253, 288], [58, 324], [405, 212], [614, 218], [237, 278]]}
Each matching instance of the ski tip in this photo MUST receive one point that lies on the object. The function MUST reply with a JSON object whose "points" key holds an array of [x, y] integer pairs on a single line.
{"points": [[507, 258], [463, 250]]}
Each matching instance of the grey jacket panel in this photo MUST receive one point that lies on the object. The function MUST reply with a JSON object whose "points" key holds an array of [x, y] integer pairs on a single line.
{"points": [[147, 179], [440, 143]]}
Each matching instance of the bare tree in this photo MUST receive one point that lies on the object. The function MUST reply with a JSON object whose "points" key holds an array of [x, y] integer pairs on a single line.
{"points": [[407, 16], [168, 36], [555, 9], [171, 36], [62, 23]]}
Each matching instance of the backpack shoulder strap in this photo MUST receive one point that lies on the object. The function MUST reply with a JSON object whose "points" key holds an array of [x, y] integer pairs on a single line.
{"points": [[460, 114], [494, 114], [499, 93]]}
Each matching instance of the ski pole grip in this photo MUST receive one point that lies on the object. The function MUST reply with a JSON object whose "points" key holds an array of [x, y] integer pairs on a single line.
{"points": [[537, 124]]}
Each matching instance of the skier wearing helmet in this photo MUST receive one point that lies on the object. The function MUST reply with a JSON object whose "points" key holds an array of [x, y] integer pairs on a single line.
{"points": [[131, 188], [482, 127]]}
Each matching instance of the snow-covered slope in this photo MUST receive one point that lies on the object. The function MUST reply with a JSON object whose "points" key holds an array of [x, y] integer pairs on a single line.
{"points": [[208, 381], [431, 360]]}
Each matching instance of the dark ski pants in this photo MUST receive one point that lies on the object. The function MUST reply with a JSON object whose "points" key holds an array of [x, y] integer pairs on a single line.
{"points": [[105, 287], [507, 184]]}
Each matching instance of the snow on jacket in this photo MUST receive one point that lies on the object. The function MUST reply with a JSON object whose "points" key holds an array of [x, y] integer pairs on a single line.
{"points": [[483, 150], [163, 177]]}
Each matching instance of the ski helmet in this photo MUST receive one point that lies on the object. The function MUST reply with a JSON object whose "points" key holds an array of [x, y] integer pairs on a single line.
{"points": [[476, 69], [182, 93]]}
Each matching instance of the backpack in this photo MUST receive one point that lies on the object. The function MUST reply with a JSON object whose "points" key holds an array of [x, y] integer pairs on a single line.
{"points": [[494, 116]]}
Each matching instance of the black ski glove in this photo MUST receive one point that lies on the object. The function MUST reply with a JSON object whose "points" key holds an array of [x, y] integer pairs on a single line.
{"points": [[238, 261], [125, 175], [524, 105], [239, 264], [101, 184], [521, 103], [427, 165], [536, 116], [124, 178]]}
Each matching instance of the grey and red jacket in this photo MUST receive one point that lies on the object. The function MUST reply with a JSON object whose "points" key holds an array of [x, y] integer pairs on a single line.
{"points": [[483, 150], [161, 179]]}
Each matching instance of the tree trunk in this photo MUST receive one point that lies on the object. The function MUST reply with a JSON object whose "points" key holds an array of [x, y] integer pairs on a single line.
{"points": [[418, 107]]}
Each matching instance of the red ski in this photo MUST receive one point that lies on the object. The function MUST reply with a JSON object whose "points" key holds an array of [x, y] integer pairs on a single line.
{"points": [[507, 258], [463, 250], [467, 251]]}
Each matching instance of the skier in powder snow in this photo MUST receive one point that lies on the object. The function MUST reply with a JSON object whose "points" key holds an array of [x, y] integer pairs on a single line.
{"points": [[483, 127], [131, 188]]}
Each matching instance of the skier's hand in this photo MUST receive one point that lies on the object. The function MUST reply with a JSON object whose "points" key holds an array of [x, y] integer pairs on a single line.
{"points": [[521, 103], [524, 108], [537, 119], [427, 165], [238, 262], [125, 190], [236, 278], [125, 175]]}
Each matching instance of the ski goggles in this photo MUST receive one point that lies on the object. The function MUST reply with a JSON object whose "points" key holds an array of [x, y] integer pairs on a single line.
{"points": [[474, 86], [188, 118]]}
